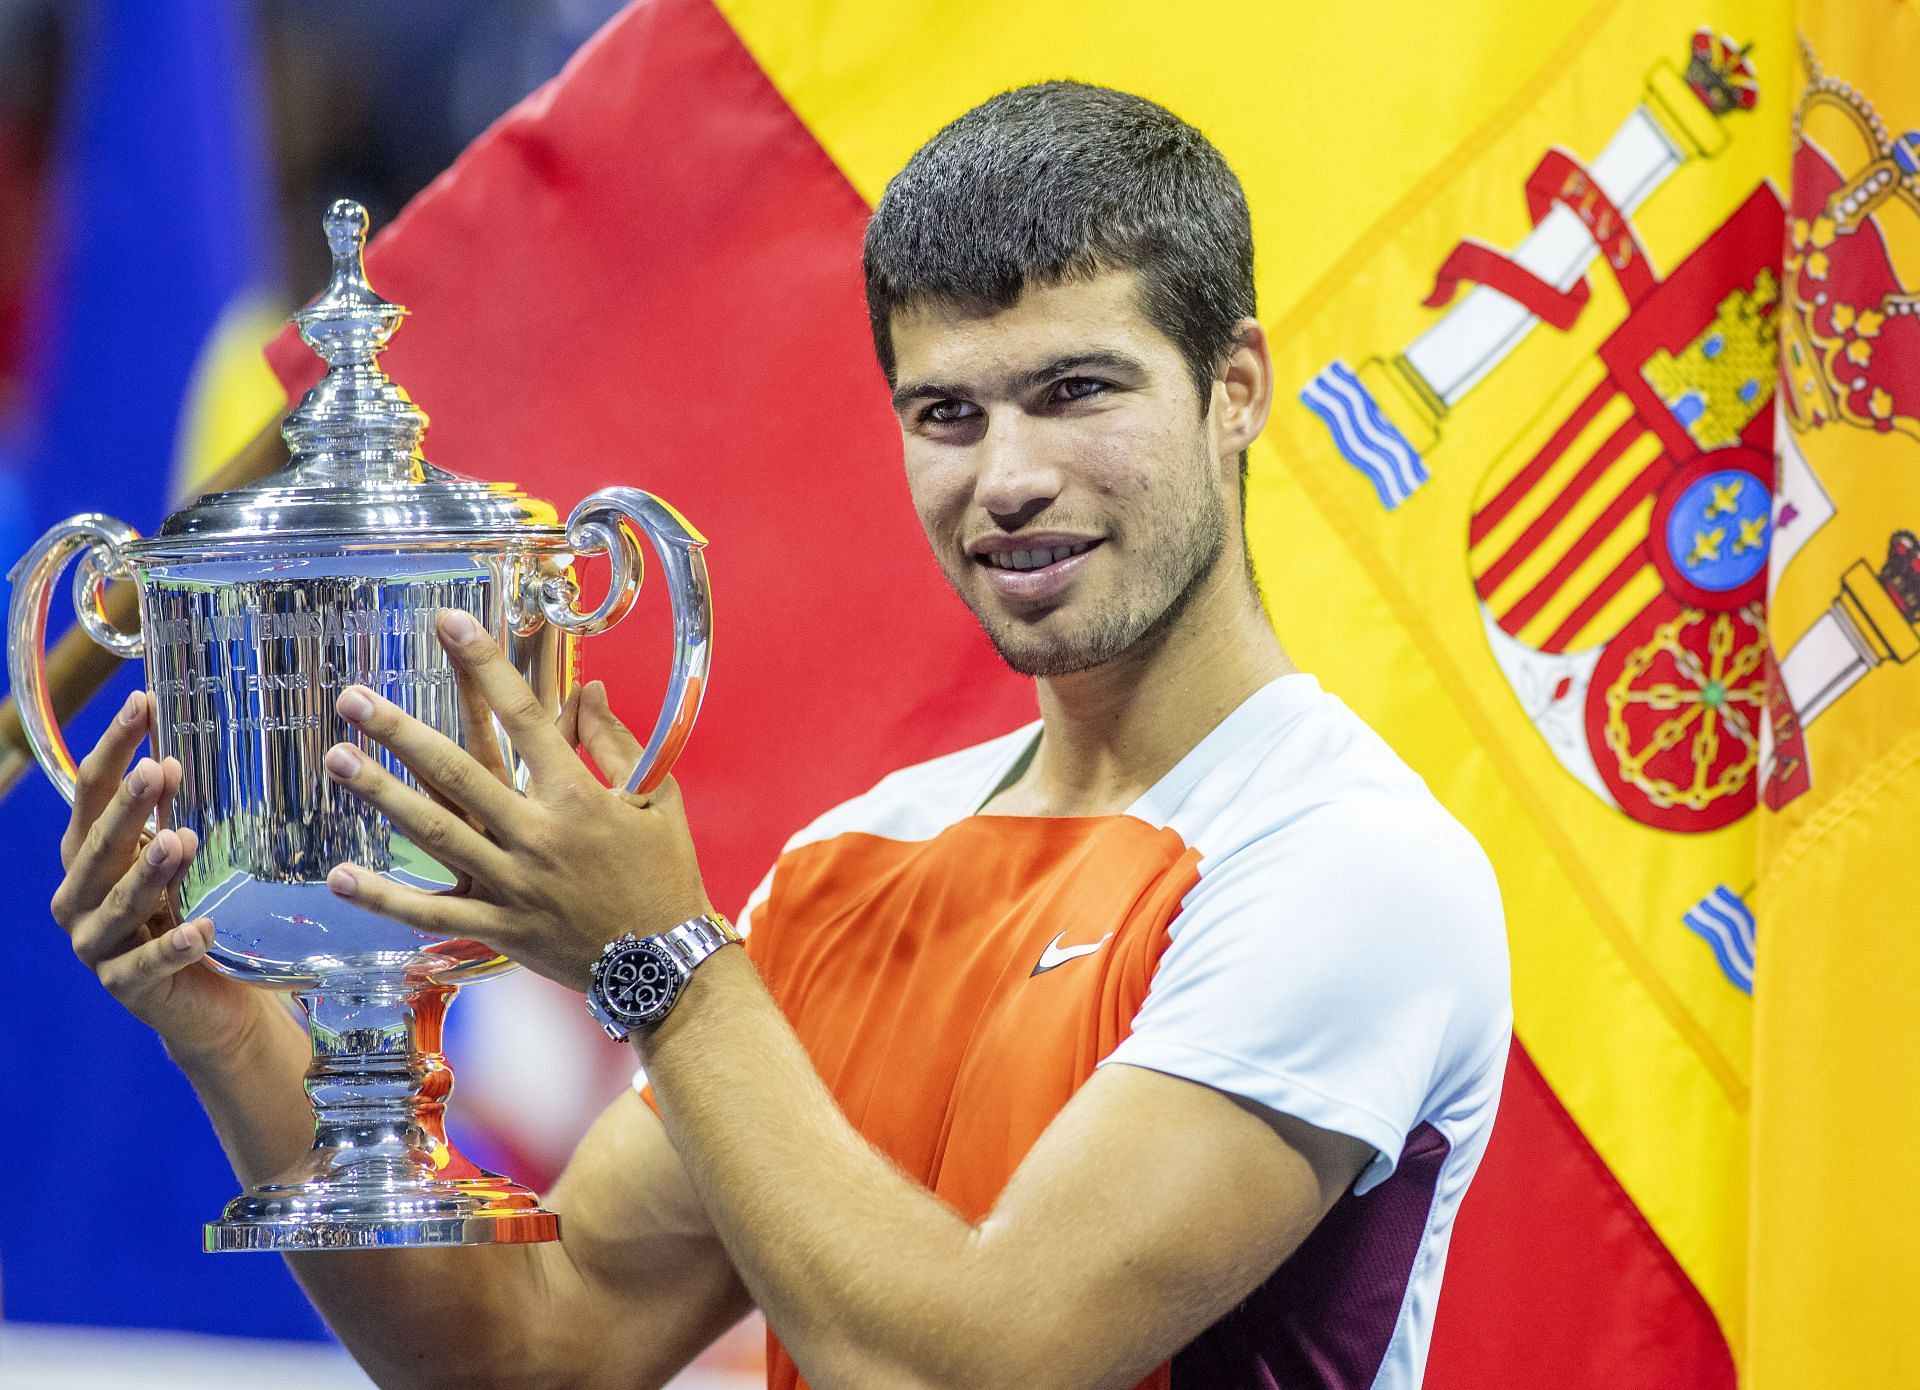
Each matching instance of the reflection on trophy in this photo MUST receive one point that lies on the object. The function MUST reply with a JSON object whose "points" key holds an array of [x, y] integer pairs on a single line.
{"points": [[257, 606]]}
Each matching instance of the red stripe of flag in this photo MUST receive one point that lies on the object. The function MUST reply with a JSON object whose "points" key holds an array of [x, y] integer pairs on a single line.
{"points": [[1536, 598], [1634, 561], [649, 273], [1555, 1279], [1590, 473], [1509, 496]]}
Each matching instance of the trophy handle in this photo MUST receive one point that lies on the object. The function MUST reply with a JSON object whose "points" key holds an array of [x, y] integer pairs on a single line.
{"points": [[596, 528], [98, 539]]}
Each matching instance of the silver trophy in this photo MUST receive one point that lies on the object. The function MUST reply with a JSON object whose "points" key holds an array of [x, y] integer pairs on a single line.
{"points": [[257, 605]]}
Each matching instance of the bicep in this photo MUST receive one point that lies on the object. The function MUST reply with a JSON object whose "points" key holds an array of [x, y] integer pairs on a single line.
{"points": [[642, 1284], [1150, 1208]]}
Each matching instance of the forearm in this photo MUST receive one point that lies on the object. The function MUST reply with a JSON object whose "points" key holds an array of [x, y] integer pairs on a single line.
{"points": [[253, 1094], [867, 1277], [450, 1317], [411, 1317]]}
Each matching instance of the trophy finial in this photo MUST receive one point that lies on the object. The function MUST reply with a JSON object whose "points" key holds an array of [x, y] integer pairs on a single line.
{"points": [[346, 224], [356, 424], [349, 323]]}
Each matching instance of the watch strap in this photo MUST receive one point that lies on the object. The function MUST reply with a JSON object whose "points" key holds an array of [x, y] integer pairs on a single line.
{"points": [[693, 940]]}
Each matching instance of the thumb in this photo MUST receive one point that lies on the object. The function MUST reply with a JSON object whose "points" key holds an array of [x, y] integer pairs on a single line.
{"points": [[608, 742]]}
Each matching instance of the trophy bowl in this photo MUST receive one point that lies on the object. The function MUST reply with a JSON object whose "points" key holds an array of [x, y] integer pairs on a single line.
{"points": [[257, 606]]}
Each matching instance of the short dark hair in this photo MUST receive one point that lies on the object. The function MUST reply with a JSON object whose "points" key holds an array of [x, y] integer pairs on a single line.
{"points": [[1060, 181]]}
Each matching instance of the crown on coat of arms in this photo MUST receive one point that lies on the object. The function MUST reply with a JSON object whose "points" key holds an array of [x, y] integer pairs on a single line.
{"points": [[1852, 327], [1720, 75]]}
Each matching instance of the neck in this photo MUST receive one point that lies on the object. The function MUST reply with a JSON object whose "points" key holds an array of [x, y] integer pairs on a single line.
{"points": [[1112, 732]]}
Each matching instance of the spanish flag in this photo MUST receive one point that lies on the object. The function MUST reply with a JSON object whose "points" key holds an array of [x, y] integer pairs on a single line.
{"points": [[1556, 292]]}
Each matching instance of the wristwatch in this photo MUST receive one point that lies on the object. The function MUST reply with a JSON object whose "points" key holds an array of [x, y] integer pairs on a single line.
{"points": [[637, 978]]}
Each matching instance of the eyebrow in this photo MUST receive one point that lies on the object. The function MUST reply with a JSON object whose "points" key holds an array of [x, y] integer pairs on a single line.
{"points": [[1039, 376]]}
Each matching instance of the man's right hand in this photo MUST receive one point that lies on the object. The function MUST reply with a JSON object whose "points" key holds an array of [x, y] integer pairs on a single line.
{"points": [[115, 905]]}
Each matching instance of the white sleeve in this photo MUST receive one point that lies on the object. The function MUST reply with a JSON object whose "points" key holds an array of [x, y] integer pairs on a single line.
{"points": [[1348, 969]]}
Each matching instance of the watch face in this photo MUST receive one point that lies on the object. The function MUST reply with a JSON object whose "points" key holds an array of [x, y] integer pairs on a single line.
{"points": [[640, 983]]}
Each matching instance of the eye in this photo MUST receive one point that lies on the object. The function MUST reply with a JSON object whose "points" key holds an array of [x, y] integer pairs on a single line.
{"points": [[1075, 388], [948, 412]]}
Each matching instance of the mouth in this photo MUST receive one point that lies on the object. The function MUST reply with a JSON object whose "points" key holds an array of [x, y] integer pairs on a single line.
{"points": [[1036, 558], [1030, 574]]}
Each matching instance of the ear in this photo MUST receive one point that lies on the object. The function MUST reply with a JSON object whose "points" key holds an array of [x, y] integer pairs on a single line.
{"points": [[1243, 392]]}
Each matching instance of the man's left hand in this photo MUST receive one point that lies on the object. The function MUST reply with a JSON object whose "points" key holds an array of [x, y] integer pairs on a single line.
{"points": [[547, 878]]}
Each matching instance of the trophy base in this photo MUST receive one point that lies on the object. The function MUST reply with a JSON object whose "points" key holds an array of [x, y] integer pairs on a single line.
{"points": [[381, 1173], [289, 1217]]}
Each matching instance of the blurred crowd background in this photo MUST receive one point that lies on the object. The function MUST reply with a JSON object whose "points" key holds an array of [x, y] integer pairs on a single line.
{"points": [[365, 99]]}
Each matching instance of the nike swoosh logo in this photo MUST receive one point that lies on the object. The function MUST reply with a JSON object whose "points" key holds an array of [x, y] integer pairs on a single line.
{"points": [[1056, 954]]}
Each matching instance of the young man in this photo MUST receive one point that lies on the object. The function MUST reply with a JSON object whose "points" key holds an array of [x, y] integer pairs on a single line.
{"points": [[1152, 1045]]}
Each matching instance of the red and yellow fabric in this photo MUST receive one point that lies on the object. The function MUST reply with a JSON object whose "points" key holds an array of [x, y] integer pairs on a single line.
{"points": [[1522, 267], [1834, 1032]]}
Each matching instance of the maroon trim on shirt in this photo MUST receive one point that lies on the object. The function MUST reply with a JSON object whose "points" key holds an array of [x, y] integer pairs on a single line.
{"points": [[1324, 1319]]}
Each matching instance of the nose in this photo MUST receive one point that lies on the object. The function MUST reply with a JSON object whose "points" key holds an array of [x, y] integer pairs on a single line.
{"points": [[1016, 481]]}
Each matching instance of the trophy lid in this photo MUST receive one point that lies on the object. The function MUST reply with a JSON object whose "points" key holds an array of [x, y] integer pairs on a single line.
{"points": [[355, 471]]}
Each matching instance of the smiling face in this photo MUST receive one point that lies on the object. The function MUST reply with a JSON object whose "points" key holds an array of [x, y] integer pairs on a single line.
{"points": [[1072, 489]]}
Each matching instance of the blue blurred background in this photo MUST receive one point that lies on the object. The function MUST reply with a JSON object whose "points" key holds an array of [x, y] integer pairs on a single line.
{"points": [[163, 167]]}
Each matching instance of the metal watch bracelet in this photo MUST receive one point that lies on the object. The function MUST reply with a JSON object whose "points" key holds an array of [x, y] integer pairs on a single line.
{"points": [[693, 940]]}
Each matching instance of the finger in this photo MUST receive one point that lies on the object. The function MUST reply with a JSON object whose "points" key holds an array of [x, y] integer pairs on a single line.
{"points": [[430, 755], [476, 725], [433, 828], [98, 776], [442, 914], [153, 961], [171, 774], [110, 842], [121, 919], [170, 767], [441, 799], [528, 725], [462, 880], [569, 721], [478, 737], [608, 742]]}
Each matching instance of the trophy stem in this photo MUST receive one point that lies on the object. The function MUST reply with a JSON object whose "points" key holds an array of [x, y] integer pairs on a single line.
{"points": [[381, 1171]]}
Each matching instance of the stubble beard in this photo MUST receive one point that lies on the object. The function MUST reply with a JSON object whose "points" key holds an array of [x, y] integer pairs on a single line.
{"points": [[1175, 567]]}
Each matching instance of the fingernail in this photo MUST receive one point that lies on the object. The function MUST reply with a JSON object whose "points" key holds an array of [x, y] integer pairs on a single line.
{"points": [[343, 760], [342, 882], [181, 939], [354, 706], [156, 851], [599, 689], [137, 779], [130, 711], [459, 627]]}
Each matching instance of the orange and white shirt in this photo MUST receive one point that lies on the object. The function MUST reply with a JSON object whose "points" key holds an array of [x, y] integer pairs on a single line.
{"points": [[1288, 915]]}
